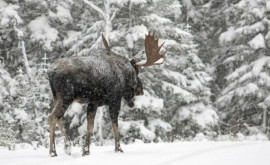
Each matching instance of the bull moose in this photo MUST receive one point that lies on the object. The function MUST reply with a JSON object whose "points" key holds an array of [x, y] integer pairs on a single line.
{"points": [[102, 78]]}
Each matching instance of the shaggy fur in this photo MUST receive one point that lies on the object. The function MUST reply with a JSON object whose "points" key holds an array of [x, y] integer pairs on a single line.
{"points": [[99, 79]]}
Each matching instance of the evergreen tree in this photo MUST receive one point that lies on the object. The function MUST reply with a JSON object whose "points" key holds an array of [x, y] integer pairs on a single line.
{"points": [[243, 59], [23, 108], [7, 91], [7, 138]]}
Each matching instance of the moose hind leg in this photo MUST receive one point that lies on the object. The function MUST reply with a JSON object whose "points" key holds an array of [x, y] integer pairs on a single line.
{"points": [[54, 117], [67, 141], [114, 112], [91, 113], [52, 121]]}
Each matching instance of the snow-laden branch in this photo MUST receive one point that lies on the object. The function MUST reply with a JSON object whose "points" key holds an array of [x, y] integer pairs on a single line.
{"points": [[113, 16], [106, 13], [95, 7], [22, 46]]}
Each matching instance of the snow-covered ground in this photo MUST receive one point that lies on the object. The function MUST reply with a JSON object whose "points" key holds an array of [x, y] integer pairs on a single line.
{"points": [[180, 153]]}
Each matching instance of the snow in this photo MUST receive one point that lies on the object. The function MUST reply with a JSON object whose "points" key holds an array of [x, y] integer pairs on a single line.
{"points": [[63, 14], [11, 90], [153, 124], [267, 5], [187, 96], [8, 13], [247, 90], [257, 42], [168, 42], [122, 2], [264, 79], [125, 126], [256, 70], [258, 12], [181, 33], [237, 73], [136, 2], [241, 4], [138, 32], [227, 36], [267, 36], [200, 137], [177, 76], [267, 101], [245, 77], [203, 115], [74, 111], [157, 20], [21, 114], [251, 29], [2, 4], [147, 100], [129, 40], [259, 64], [43, 32], [184, 153], [245, 73]]}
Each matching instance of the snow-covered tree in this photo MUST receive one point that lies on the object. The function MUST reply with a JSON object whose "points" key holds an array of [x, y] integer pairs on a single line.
{"points": [[243, 63], [7, 91], [7, 138], [23, 108], [10, 51]]}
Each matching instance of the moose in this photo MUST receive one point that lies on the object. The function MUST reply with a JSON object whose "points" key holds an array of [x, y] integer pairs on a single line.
{"points": [[102, 78]]}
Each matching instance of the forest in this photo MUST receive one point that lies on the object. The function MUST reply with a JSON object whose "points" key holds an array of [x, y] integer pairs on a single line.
{"points": [[213, 85]]}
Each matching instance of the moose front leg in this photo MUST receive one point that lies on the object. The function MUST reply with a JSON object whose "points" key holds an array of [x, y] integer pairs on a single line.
{"points": [[116, 136], [114, 112], [91, 113]]}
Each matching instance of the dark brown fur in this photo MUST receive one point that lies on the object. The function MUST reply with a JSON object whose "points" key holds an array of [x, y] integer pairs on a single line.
{"points": [[97, 80]]}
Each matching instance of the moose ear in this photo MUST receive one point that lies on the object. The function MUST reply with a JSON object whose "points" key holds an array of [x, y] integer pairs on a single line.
{"points": [[133, 63], [105, 42]]}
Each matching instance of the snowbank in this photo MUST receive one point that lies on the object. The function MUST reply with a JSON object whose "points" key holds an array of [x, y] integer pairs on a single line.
{"points": [[181, 153]]}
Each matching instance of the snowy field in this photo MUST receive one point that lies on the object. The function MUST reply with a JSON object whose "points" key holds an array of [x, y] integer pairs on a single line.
{"points": [[180, 153]]}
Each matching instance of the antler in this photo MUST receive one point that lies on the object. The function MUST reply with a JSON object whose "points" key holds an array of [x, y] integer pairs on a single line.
{"points": [[105, 43], [152, 50]]}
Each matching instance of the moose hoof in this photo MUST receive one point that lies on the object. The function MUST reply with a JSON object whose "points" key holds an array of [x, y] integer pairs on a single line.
{"points": [[67, 149], [85, 153], [53, 154], [119, 150]]}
